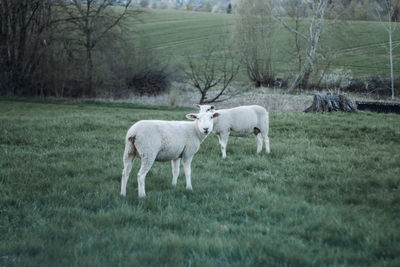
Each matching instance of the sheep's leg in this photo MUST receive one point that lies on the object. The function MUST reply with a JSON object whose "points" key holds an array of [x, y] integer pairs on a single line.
{"points": [[186, 165], [223, 141], [175, 170], [265, 135], [128, 158], [259, 142], [141, 176], [266, 140]]}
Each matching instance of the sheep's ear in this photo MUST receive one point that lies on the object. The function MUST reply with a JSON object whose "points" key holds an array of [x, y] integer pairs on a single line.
{"points": [[197, 106], [212, 107], [216, 114], [191, 116]]}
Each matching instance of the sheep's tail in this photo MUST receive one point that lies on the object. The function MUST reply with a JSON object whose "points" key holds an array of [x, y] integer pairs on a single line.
{"points": [[132, 139], [130, 148]]}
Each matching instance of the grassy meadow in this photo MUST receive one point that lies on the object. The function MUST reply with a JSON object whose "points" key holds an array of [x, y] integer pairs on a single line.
{"points": [[352, 45], [328, 194]]}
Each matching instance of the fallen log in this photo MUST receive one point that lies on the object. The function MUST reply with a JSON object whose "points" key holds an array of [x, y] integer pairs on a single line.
{"points": [[329, 102]]}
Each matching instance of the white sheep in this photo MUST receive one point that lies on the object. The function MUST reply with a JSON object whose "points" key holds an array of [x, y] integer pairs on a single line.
{"points": [[240, 121], [156, 140]]}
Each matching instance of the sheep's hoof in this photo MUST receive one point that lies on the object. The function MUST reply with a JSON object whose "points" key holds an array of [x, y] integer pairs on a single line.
{"points": [[189, 188]]}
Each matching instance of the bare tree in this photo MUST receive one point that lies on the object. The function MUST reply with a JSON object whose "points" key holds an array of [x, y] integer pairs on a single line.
{"points": [[24, 25], [296, 11], [320, 10], [215, 68], [254, 35], [94, 20], [386, 14]]}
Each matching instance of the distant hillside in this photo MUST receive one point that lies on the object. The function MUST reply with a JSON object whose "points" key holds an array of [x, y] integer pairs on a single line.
{"points": [[177, 31], [355, 46], [194, 2]]}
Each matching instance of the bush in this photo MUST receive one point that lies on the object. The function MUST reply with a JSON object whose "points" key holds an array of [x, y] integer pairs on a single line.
{"points": [[270, 82], [338, 78], [149, 82], [343, 80], [374, 85]]}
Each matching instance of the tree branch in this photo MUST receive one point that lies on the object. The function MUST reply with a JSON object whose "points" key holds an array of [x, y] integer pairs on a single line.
{"points": [[290, 28]]}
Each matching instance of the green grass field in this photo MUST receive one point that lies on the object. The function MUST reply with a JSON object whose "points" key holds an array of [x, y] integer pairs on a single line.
{"points": [[328, 194], [357, 45]]}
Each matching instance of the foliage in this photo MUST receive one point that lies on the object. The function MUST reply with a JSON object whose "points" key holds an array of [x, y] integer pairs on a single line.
{"points": [[254, 34], [338, 78], [54, 63], [229, 9], [55, 48], [144, 3], [140, 70], [24, 36], [92, 21], [149, 83], [328, 194], [372, 86]]}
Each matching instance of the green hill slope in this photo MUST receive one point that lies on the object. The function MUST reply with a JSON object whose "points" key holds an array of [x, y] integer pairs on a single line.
{"points": [[355, 45]]}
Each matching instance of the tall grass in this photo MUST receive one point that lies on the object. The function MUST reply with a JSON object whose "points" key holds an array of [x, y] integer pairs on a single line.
{"points": [[328, 194]]}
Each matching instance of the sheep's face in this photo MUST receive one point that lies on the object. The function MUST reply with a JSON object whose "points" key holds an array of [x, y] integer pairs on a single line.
{"points": [[204, 121], [205, 108]]}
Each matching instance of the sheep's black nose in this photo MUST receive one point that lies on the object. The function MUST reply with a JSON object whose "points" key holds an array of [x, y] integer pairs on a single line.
{"points": [[205, 130]]}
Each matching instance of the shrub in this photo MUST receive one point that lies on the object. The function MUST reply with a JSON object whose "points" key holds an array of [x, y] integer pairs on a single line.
{"points": [[374, 85], [339, 78], [152, 82]]}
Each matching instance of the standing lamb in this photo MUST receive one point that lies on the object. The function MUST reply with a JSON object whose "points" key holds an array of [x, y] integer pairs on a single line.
{"points": [[156, 140], [240, 121]]}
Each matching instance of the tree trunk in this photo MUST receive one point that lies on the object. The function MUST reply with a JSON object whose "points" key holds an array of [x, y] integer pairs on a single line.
{"points": [[89, 73], [391, 56], [316, 29], [328, 103], [203, 96], [390, 28]]}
